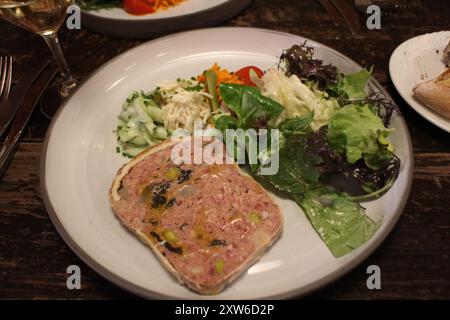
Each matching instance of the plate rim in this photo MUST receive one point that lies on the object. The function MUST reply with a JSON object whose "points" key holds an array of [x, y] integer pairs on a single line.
{"points": [[229, 3], [417, 106], [151, 294]]}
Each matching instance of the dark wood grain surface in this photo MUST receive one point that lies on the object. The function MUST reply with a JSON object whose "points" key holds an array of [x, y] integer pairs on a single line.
{"points": [[415, 258]]}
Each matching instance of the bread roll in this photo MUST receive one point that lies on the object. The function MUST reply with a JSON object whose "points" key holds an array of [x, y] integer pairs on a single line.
{"points": [[446, 58], [435, 94]]}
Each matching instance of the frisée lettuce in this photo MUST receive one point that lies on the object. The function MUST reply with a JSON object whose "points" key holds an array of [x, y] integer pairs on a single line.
{"points": [[298, 99]]}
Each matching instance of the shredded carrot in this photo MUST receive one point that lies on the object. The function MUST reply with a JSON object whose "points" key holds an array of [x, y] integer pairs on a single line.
{"points": [[223, 76]]}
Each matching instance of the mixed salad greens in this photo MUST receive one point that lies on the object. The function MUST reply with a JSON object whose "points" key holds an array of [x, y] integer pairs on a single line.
{"points": [[94, 5], [134, 7], [334, 147]]}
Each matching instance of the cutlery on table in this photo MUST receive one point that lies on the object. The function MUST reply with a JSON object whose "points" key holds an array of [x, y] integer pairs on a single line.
{"points": [[343, 11], [8, 108], [5, 80], [350, 14], [332, 12], [24, 110]]}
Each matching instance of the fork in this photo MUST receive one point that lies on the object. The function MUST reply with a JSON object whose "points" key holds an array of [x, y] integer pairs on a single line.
{"points": [[5, 79], [342, 11]]}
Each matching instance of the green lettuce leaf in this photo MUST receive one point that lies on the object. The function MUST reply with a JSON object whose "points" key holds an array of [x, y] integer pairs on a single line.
{"points": [[224, 121], [360, 134], [250, 106], [298, 125], [351, 86], [297, 171], [340, 223], [354, 84]]}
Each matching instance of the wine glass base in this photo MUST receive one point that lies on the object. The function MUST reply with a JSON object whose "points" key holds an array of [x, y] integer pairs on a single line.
{"points": [[51, 100]]}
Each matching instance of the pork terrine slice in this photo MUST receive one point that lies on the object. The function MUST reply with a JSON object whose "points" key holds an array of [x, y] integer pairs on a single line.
{"points": [[206, 223]]}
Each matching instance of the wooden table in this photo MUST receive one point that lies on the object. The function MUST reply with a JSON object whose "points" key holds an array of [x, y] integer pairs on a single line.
{"points": [[415, 258]]}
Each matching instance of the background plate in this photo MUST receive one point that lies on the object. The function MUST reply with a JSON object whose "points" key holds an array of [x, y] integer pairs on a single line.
{"points": [[79, 163], [417, 60], [188, 15]]}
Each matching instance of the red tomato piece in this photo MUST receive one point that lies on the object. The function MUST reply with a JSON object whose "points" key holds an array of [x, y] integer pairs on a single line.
{"points": [[244, 74], [139, 7]]}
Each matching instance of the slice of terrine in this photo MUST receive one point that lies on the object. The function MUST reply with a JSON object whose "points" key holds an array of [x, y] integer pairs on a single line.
{"points": [[206, 223]]}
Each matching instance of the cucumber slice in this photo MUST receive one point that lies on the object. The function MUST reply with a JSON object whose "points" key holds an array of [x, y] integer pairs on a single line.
{"points": [[155, 113], [147, 136], [121, 124], [136, 127], [160, 133], [141, 113], [125, 116], [126, 134], [132, 151], [138, 141], [131, 98], [150, 126], [150, 103]]}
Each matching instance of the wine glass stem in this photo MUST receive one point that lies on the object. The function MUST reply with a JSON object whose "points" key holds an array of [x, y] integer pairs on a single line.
{"points": [[68, 82]]}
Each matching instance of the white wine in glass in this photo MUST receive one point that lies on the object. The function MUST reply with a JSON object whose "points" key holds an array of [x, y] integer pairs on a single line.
{"points": [[40, 16], [43, 17]]}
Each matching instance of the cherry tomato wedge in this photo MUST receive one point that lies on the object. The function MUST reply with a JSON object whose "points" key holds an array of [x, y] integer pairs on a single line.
{"points": [[244, 74], [139, 7]]}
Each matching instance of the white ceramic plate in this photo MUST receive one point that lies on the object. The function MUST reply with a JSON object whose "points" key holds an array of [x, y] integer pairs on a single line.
{"points": [[188, 15], [80, 162], [417, 60]]}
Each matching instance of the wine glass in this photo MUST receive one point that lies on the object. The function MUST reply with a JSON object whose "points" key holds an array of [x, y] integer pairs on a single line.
{"points": [[44, 17]]}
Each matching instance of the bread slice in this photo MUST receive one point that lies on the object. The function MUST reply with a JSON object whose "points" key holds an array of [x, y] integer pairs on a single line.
{"points": [[436, 94], [206, 223], [446, 57]]}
